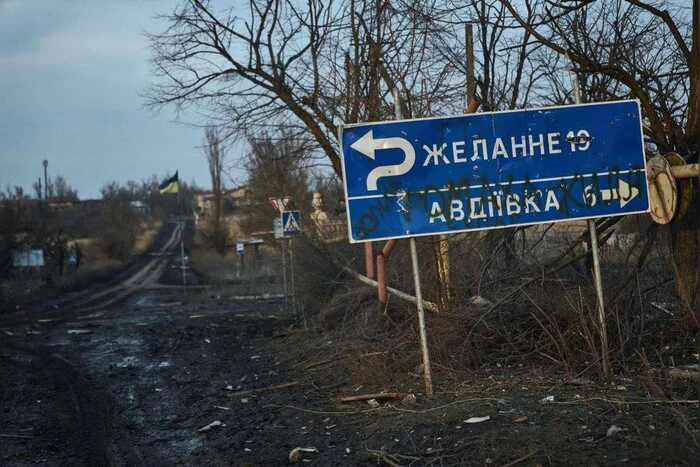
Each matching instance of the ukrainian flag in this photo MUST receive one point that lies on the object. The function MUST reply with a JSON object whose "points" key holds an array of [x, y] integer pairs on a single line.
{"points": [[171, 185]]}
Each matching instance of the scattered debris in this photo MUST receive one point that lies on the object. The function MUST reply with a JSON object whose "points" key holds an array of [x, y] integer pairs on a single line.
{"points": [[580, 382], [3, 435], [79, 331], [297, 454], [477, 419], [547, 399], [665, 307], [381, 395], [409, 399], [222, 407], [688, 373], [373, 403], [478, 300], [96, 314], [614, 429], [215, 423], [381, 457]]}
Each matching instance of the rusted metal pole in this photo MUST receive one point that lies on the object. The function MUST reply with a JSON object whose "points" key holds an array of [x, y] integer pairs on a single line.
{"points": [[382, 256], [369, 260], [469, 50]]}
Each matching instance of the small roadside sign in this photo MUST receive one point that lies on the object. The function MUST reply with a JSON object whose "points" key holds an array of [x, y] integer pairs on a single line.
{"points": [[240, 248], [280, 203], [429, 176], [277, 227], [28, 258], [291, 223]]}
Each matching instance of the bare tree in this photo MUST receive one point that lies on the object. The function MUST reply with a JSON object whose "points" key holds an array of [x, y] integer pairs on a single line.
{"points": [[643, 49], [307, 65], [63, 191], [277, 167], [215, 156]]}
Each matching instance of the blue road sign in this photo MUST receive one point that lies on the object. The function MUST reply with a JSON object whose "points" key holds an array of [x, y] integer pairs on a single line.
{"points": [[291, 223], [489, 170]]}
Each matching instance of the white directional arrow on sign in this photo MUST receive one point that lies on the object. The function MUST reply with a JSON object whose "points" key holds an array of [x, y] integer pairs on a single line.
{"points": [[367, 145], [624, 192]]}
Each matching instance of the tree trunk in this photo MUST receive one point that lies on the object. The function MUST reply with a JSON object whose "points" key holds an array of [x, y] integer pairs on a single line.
{"points": [[685, 233]]}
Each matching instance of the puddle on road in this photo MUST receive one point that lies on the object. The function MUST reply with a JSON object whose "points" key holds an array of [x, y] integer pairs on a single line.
{"points": [[129, 341], [156, 298], [187, 445], [165, 364], [127, 362]]}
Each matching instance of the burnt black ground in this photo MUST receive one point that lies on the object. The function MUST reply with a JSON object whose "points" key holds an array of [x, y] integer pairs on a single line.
{"points": [[132, 382]]}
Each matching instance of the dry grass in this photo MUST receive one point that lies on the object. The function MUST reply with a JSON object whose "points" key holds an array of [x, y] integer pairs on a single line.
{"points": [[148, 230]]}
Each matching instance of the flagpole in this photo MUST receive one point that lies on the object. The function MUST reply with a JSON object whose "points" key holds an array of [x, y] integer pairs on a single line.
{"points": [[182, 240]]}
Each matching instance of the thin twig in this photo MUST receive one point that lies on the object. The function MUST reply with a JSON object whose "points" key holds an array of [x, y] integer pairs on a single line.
{"points": [[268, 388], [621, 402], [2, 435], [381, 395], [520, 459], [326, 412]]}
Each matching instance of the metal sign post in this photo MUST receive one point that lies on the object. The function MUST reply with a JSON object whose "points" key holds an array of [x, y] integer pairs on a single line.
{"points": [[427, 372], [291, 267], [597, 276], [291, 227]]}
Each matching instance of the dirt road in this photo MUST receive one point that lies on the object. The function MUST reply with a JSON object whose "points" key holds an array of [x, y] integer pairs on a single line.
{"points": [[128, 373]]}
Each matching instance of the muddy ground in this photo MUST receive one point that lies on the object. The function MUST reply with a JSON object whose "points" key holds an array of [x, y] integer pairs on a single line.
{"points": [[132, 372]]}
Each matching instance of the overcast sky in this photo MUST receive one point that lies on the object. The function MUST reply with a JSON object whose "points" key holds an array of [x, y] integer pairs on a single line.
{"points": [[70, 74]]}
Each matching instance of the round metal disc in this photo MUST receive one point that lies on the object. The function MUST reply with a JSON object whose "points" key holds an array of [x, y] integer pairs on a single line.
{"points": [[684, 186], [663, 196]]}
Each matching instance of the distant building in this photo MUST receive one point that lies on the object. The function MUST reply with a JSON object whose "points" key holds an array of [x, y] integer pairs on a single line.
{"points": [[139, 207], [230, 201]]}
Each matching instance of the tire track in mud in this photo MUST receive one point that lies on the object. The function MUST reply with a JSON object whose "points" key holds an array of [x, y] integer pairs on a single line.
{"points": [[86, 411], [144, 276]]}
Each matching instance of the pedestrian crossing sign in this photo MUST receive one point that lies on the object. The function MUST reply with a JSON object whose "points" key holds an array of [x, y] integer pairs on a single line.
{"points": [[291, 223]]}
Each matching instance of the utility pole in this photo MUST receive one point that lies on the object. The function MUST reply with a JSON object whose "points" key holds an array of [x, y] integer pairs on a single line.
{"points": [[46, 185]]}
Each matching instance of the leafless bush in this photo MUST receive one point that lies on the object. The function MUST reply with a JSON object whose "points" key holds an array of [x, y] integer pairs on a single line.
{"points": [[214, 235], [117, 229]]}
